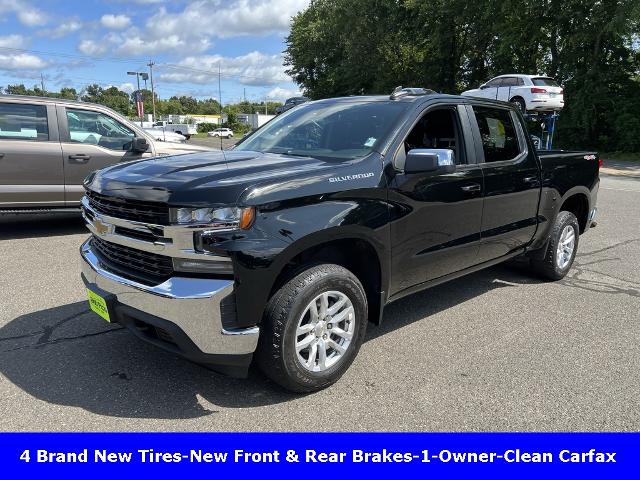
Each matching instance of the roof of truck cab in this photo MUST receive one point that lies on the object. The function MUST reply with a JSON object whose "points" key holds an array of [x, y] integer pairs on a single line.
{"points": [[386, 98]]}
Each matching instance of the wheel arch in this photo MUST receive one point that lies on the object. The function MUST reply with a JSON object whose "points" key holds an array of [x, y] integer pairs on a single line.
{"points": [[576, 201], [355, 252]]}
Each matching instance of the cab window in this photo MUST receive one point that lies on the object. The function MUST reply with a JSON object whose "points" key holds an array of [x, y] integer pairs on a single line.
{"points": [[23, 122], [96, 128], [498, 133], [437, 128]]}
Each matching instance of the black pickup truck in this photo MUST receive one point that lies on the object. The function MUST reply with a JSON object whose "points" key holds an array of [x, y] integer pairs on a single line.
{"points": [[285, 247]]}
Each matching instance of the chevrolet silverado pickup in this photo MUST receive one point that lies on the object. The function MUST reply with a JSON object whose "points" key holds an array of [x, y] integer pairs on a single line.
{"points": [[281, 250]]}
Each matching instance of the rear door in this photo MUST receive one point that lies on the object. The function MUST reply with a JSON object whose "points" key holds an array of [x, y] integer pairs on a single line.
{"points": [[512, 183], [91, 140], [31, 173], [507, 88]]}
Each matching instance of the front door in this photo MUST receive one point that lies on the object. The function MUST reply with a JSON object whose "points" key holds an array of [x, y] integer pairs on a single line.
{"points": [[436, 218], [31, 172], [91, 140], [512, 182]]}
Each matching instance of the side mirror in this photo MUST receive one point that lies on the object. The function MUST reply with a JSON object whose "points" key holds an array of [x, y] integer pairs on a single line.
{"points": [[139, 145], [483, 86], [437, 160]]}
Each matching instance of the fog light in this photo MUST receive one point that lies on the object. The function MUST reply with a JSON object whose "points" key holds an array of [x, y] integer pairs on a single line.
{"points": [[220, 267]]}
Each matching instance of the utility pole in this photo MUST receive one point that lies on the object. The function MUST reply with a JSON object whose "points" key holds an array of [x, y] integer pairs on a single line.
{"points": [[42, 83], [244, 90], [153, 94], [138, 92], [220, 98]]}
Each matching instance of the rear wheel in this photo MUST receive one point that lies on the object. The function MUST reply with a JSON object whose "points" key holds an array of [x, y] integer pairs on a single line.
{"points": [[562, 248], [520, 103], [313, 328]]}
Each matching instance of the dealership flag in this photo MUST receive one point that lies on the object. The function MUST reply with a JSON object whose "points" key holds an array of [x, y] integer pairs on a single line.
{"points": [[139, 104]]}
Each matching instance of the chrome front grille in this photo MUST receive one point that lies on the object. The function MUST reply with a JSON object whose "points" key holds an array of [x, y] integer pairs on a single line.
{"points": [[144, 267]]}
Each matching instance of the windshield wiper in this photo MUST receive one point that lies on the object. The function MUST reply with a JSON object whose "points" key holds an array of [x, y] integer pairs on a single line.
{"points": [[288, 153]]}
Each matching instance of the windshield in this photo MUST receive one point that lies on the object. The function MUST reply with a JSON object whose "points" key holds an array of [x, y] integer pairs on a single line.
{"points": [[333, 131], [544, 82]]}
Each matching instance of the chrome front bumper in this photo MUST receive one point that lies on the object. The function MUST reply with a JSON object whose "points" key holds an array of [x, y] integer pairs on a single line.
{"points": [[191, 304]]}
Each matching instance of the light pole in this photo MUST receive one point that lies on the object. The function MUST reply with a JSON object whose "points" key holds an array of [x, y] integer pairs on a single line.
{"points": [[144, 76]]}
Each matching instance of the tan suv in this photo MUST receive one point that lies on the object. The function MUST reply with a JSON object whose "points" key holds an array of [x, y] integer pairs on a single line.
{"points": [[48, 146]]}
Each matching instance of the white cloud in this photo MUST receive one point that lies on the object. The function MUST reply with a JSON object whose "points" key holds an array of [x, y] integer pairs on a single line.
{"points": [[21, 61], [254, 68], [27, 14], [92, 48], [281, 94], [115, 22], [191, 29], [226, 19], [12, 41], [136, 45], [63, 29], [127, 87], [32, 17]]}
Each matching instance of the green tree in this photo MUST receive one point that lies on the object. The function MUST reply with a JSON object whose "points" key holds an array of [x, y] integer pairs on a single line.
{"points": [[346, 47]]}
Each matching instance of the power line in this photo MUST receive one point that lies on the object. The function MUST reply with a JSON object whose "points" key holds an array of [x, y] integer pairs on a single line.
{"points": [[210, 72], [72, 55]]}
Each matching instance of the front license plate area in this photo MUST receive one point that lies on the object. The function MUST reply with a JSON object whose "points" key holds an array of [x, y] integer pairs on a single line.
{"points": [[99, 303]]}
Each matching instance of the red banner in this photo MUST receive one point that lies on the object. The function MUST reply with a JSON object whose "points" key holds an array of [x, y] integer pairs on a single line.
{"points": [[139, 104]]}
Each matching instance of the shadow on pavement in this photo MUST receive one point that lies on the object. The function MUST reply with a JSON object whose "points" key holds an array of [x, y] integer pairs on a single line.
{"points": [[69, 356], [45, 225]]}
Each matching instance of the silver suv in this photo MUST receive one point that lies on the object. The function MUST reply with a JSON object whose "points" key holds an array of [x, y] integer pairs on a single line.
{"points": [[48, 146]]}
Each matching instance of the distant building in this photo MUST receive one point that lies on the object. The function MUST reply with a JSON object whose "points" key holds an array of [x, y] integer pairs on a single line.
{"points": [[255, 120]]}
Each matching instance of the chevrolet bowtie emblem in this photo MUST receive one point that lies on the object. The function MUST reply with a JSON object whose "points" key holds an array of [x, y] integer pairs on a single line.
{"points": [[100, 227]]}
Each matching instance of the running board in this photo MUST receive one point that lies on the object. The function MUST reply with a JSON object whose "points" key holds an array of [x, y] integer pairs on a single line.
{"points": [[31, 211]]}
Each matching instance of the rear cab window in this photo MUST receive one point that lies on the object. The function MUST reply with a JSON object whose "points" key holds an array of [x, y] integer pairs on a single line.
{"points": [[19, 121], [544, 82], [499, 134]]}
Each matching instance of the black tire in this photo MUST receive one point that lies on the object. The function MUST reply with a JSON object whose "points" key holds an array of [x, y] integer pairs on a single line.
{"points": [[276, 354], [548, 267], [520, 103]]}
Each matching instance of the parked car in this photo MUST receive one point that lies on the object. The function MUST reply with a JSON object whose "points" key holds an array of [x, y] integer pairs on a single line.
{"points": [[285, 247], [530, 93], [184, 129], [48, 146], [163, 135], [290, 103], [221, 132]]}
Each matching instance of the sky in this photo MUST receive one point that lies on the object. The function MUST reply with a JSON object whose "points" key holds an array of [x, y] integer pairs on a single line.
{"points": [[77, 43]]}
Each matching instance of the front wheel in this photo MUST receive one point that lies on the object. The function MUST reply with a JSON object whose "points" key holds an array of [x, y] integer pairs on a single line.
{"points": [[313, 328], [562, 248]]}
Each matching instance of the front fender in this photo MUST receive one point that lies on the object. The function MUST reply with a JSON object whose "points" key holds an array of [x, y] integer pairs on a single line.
{"points": [[283, 231]]}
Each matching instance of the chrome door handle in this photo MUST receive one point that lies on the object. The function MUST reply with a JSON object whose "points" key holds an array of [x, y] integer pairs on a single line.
{"points": [[530, 179], [80, 157], [474, 187]]}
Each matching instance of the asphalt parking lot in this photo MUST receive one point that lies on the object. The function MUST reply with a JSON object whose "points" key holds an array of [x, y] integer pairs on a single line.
{"points": [[215, 142], [497, 350]]}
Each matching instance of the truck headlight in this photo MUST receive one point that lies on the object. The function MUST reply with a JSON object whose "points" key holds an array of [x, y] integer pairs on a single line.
{"points": [[216, 218]]}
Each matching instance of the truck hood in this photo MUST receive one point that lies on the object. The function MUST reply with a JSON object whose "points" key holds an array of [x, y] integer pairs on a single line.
{"points": [[175, 148], [230, 177]]}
